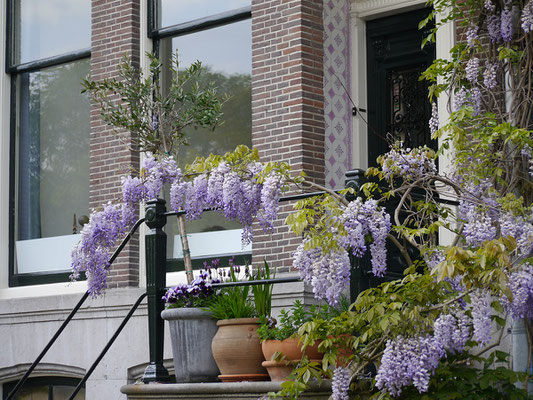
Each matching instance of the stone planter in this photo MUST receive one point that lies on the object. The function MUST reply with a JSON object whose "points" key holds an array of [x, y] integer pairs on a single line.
{"points": [[237, 350], [191, 333]]}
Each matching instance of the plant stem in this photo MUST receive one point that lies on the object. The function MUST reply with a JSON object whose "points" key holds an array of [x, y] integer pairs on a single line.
{"points": [[185, 246]]}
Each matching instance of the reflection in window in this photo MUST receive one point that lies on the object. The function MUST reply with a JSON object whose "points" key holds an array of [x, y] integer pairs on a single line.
{"points": [[53, 151], [46, 388], [178, 11], [52, 27], [226, 55]]}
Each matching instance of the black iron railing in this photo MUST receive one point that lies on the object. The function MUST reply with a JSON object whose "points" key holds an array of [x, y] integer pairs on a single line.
{"points": [[60, 330], [155, 240]]}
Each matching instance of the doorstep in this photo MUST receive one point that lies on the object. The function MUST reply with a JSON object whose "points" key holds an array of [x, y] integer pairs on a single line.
{"points": [[230, 390]]}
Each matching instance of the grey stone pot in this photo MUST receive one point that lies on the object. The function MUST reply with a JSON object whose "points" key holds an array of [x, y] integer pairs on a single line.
{"points": [[191, 333]]}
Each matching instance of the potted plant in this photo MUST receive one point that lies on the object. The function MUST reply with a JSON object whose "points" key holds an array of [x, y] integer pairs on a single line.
{"points": [[280, 342], [284, 348], [192, 328], [236, 346]]}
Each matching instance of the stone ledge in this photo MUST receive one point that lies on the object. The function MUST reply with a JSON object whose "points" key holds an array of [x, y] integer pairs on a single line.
{"points": [[232, 390]]}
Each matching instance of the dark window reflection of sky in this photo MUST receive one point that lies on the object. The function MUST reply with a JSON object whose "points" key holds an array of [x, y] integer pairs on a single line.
{"points": [[227, 49], [53, 27], [178, 11]]}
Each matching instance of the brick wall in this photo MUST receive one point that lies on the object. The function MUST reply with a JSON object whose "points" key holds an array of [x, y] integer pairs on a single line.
{"points": [[115, 32], [287, 102]]}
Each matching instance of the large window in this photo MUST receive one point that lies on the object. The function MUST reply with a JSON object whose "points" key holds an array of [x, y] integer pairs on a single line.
{"points": [[48, 56], [217, 33]]}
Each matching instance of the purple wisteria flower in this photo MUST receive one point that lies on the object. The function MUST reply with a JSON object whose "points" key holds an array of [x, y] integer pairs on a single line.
{"points": [[460, 98], [328, 274], [471, 35], [408, 361], [409, 164], [341, 383], [434, 120], [489, 5], [526, 19], [472, 69], [476, 100], [481, 316], [507, 25], [521, 285], [520, 227], [237, 196], [452, 331], [489, 75], [98, 238], [493, 27]]}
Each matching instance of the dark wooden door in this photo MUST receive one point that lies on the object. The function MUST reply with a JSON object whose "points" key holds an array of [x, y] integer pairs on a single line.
{"points": [[398, 105]]}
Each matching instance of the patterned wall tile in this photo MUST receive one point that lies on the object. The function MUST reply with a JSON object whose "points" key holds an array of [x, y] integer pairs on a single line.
{"points": [[337, 108]]}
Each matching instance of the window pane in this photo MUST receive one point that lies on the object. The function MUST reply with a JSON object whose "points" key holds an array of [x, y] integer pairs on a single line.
{"points": [[34, 393], [53, 151], [225, 52], [178, 11], [52, 27], [64, 392]]}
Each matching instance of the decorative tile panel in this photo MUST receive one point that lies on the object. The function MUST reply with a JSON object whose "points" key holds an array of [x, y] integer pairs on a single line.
{"points": [[337, 107]]}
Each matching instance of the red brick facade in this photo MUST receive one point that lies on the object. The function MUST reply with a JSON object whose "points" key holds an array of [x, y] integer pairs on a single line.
{"points": [[115, 33], [287, 102], [287, 106]]}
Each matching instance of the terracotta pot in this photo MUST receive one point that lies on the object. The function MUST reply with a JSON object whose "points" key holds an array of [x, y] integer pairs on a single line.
{"points": [[290, 349], [344, 353], [280, 370], [237, 350]]}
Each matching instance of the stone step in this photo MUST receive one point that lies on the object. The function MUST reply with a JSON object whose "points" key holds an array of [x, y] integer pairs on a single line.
{"points": [[201, 391]]}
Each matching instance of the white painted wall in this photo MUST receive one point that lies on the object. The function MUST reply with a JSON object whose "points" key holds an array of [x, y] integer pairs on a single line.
{"points": [[4, 157]]}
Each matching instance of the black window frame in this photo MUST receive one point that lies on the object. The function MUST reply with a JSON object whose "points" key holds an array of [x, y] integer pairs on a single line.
{"points": [[185, 28], [14, 70], [49, 381]]}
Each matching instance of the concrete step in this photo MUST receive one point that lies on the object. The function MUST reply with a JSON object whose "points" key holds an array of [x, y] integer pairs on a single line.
{"points": [[201, 391]]}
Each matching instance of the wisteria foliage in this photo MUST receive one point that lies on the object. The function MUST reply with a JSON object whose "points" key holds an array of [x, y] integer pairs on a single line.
{"points": [[455, 296]]}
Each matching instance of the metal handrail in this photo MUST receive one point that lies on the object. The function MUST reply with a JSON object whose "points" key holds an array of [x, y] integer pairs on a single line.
{"points": [[141, 298], [23, 380], [107, 346]]}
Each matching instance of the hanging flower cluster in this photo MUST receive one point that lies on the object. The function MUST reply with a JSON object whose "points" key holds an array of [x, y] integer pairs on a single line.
{"points": [[409, 164], [236, 193], [328, 271]]}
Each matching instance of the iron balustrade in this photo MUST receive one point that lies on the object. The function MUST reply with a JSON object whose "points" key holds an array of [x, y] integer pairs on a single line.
{"points": [[113, 257], [155, 240]]}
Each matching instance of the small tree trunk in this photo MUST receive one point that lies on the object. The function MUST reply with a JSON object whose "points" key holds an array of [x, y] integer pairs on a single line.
{"points": [[186, 252]]}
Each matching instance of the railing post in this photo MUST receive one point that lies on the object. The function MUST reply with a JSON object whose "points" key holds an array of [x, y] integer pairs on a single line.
{"points": [[156, 253]]}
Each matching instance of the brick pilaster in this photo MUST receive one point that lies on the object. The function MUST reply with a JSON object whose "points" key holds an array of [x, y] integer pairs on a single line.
{"points": [[115, 33], [287, 101]]}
